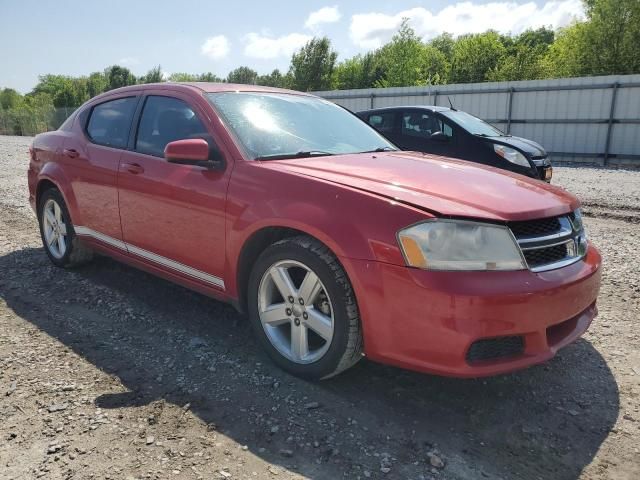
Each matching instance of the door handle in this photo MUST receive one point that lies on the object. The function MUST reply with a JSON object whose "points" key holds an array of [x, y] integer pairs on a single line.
{"points": [[133, 168], [70, 152]]}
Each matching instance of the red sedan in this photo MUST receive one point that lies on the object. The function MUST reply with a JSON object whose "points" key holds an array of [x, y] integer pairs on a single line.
{"points": [[336, 244]]}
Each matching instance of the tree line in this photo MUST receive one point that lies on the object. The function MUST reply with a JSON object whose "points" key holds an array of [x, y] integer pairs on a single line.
{"points": [[605, 43]]}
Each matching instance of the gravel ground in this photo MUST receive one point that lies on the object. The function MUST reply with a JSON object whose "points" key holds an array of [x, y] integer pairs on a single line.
{"points": [[107, 372]]}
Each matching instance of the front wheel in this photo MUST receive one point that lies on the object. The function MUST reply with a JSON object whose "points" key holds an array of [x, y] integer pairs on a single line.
{"points": [[303, 309]]}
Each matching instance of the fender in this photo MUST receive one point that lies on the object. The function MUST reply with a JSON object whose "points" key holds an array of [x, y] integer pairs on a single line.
{"points": [[352, 223], [54, 173]]}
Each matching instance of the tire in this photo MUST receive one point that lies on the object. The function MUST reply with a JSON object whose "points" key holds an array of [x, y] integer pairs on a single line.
{"points": [[283, 327], [65, 250]]}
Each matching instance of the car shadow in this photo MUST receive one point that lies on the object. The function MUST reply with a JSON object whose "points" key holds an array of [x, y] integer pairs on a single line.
{"points": [[164, 342]]}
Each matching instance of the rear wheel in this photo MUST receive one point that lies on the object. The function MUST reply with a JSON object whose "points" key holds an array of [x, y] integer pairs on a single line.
{"points": [[63, 248], [303, 309]]}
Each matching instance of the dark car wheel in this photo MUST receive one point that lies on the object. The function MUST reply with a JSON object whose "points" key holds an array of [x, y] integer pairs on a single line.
{"points": [[303, 309], [56, 229]]}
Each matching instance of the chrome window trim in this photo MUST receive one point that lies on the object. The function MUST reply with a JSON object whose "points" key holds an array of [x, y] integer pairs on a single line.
{"points": [[153, 257]]}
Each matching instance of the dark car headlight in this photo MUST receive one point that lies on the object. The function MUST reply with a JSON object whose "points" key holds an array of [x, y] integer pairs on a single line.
{"points": [[511, 155]]}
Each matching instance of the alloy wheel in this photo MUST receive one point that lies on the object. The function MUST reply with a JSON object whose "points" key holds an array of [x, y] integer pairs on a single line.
{"points": [[295, 311], [55, 229]]}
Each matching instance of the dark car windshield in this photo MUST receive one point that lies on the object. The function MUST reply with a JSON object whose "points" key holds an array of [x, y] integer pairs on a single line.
{"points": [[472, 124], [281, 125]]}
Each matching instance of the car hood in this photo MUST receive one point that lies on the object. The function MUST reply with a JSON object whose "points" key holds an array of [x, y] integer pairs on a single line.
{"points": [[440, 185], [529, 147]]}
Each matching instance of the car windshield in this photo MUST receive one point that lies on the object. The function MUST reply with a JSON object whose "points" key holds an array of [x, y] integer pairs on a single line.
{"points": [[472, 124], [281, 125]]}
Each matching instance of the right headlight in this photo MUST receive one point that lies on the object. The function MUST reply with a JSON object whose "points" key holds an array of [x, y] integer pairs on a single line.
{"points": [[460, 245], [512, 155]]}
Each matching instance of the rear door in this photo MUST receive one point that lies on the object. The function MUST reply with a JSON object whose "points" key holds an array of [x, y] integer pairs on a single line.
{"points": [[92, 154], [173, 216]]}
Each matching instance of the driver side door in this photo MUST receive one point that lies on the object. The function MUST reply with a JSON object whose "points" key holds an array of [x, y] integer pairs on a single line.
{"points": [[172, 215], [416, 128]]}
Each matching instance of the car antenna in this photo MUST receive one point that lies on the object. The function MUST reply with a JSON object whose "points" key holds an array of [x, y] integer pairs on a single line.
{"points": [[451, 104]]}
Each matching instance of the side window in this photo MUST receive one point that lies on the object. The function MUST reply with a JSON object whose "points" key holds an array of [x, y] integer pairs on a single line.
{"points": [[110, 121], [383, 122], [164, 120], [446, 129], [423, 125]]}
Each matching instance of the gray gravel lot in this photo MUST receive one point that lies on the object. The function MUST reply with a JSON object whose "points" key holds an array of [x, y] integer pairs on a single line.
{"points": [[108, 372]]}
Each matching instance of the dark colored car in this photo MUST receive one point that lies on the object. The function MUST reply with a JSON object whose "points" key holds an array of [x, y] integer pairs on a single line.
{"points": [[453, 133]]}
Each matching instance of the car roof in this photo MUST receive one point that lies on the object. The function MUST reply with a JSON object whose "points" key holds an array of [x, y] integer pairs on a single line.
{"points": [[431, 108], [206, 87]]}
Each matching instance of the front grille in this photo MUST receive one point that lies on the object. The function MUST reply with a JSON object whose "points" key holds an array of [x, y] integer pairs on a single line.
{"points": [[492, 348], [544, 256], [549, 243], [535, 228]]}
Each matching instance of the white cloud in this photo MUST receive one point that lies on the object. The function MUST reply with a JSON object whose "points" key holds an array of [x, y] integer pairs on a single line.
{"points": [[324, 15], [371, 30], [216, 47], [265, 46]]}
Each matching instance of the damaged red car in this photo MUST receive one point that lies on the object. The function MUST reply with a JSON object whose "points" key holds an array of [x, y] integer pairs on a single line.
{"points": [[335, 244]]}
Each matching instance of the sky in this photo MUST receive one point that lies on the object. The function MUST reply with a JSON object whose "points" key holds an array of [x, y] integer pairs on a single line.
{"points": [[76, 37]]}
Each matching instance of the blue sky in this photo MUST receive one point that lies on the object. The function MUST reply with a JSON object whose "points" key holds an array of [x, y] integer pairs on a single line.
{"points": [[75, 37]]}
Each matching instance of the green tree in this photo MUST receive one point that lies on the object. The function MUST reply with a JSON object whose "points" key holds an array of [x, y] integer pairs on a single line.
{"points": [[118, 76], [10, 98], [243, 75], [607, 43], [435, 66], [402, 59], [475, 56], [274, 79], [313, 65], [361, 71], [525, 56], [349, 74], [152, 76], [96, 84], [444, 43], [209, 77], [183, 77]]}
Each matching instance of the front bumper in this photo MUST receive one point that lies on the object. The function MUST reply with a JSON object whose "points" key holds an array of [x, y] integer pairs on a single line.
{"points": [[427, 321]]}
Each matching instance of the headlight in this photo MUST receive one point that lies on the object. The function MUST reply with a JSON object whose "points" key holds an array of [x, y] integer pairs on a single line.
{"points": [[460, 245], [511, 155], [578, 226]]}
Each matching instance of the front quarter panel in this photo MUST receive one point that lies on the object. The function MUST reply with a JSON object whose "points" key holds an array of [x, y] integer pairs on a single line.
{"points": [[353, 224]]}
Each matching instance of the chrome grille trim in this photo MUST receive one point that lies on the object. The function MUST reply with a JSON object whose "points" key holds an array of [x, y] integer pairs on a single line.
{"points": [[568, 233]]}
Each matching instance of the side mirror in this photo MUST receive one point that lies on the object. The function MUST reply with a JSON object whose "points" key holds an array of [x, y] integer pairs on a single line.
{"points": [[194, 151], [439, 137]]}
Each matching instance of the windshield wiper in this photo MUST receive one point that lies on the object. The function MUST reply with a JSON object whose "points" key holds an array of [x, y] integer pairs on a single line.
{"points": [[484, 135], [301, 154], [380, 149]]}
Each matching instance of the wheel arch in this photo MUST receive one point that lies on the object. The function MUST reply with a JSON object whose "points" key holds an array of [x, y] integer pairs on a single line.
{"points": [[52, 176], [44, 185], [254, 245]]}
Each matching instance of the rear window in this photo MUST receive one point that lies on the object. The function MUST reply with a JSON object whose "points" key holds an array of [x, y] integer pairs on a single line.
{"points": [[110, 122]]}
